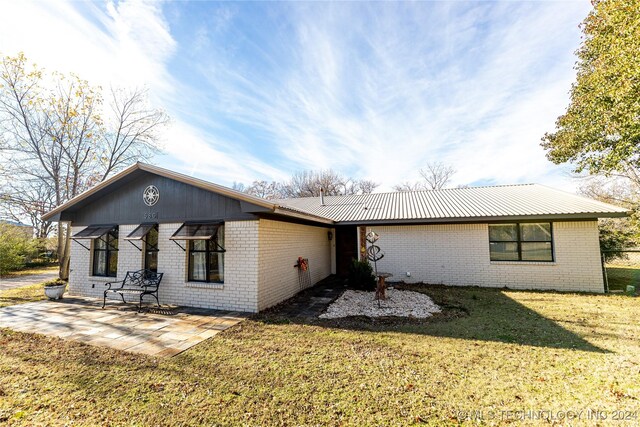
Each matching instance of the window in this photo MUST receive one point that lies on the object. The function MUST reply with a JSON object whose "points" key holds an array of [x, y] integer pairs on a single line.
{"points": [[206, 258], [151, 249], [147, 233], [521, 242], [105, 254]]}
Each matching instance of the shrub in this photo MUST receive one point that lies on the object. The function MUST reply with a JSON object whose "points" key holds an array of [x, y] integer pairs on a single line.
{"points": [[615, 236], [15, 245], [55, 282], [361, 276]]}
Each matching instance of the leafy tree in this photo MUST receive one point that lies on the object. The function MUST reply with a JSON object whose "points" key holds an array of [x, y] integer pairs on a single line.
{"points": [[15, 245], [615, 233], [600, 131], [58, 137], [434, 177]]}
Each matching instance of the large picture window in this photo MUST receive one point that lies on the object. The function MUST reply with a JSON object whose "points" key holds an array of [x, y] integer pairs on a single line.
{"points": [[151, 249], [206, 258], [105, 254], [521, 242]]}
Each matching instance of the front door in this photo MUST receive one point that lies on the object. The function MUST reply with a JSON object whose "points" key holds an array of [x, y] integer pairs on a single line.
{"points": [[346, 248]]}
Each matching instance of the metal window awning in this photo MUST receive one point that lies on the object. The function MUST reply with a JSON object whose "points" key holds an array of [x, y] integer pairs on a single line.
{"points": [[92, 232], [196, 231], [140, 233]]}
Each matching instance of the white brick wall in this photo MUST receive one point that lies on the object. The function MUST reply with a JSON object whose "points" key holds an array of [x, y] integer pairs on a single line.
{"points": [[281, 244], [80, 279], [239, 291], [458, 254], [260, 255]]}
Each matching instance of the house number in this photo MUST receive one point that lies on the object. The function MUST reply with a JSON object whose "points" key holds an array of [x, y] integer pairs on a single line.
{"points": [[151, 215]]}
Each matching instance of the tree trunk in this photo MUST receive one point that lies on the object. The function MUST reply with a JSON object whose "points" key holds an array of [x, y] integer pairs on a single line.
{"points": [[64, 249]]}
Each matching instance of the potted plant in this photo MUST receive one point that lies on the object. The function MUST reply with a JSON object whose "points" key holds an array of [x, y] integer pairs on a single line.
{"points": [[54, 289]]}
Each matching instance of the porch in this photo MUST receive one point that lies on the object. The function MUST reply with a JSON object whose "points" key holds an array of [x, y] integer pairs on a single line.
{"points": [[162, 332]]}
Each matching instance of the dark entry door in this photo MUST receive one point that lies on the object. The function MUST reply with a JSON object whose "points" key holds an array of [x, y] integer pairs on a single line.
{"points": [[346, 248]]}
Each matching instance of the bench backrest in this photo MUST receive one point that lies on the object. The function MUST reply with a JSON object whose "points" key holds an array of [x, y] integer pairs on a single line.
{"points": [[151, 278], [142, 278]]}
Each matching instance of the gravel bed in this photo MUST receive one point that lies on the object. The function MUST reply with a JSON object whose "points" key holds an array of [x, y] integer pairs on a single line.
{"points": [[398, 304]]}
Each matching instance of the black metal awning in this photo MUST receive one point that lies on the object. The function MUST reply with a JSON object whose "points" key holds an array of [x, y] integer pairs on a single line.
{"points": [[141, 231], [92, 232], [196, 231]]}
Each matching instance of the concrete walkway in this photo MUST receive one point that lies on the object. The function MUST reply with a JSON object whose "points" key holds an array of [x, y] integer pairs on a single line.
{"points": [[311, 302], [29, 279], [161, 332]]}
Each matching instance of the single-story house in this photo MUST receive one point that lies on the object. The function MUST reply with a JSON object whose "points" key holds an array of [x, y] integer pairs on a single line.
{"points": [[220, 248]]}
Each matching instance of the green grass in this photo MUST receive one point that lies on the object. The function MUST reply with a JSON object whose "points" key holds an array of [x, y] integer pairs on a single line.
{"points": [[22, 295], [619, 276], [491, 350]]}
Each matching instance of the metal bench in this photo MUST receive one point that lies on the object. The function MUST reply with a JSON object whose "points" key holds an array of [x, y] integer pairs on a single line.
{"points": [[141, 282]]}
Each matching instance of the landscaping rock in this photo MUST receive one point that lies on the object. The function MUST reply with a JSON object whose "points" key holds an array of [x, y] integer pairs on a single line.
{"points": [[399, 303]]}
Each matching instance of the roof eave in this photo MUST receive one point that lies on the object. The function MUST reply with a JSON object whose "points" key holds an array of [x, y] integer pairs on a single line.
{"points": [[300, 215], [458, 220]]}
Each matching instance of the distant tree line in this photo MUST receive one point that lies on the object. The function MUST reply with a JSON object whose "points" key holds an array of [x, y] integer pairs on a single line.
{"points": [[308, 184], [435, 176]]}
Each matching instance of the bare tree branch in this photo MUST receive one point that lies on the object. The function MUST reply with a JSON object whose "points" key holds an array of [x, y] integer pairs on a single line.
{"points": [[58, 140], [436, 175]]}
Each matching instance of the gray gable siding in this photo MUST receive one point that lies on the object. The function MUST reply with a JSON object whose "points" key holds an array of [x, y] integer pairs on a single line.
{"points": [[123, 204]]}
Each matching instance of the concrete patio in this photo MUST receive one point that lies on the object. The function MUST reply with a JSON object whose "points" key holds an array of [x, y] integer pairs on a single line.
{"points": [[162, 332]]}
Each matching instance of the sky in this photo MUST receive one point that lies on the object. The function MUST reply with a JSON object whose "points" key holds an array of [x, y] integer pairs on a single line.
{"points": [[259, 91]]}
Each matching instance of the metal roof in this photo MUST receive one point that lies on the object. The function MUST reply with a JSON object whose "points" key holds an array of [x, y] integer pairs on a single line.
{"points": [[507, 202], [495, 203]]}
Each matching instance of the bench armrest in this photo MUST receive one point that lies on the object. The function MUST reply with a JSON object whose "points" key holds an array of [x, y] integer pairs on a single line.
{"points": [[117, 282]]}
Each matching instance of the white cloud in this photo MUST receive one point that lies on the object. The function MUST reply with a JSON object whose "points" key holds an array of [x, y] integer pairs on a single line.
{"points": [[201, 157], [378, 90], [144, 45], [127, 44], [373, 90]]}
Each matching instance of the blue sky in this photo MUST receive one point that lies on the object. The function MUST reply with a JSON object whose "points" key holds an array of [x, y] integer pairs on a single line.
{"points": [[373, 90]]}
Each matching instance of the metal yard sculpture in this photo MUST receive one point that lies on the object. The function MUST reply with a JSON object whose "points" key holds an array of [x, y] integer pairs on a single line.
{"points": [[375, 254]]}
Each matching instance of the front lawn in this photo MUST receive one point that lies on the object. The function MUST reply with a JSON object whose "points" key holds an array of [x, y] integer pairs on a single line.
{"points": [[490, 351], [22, 295]]}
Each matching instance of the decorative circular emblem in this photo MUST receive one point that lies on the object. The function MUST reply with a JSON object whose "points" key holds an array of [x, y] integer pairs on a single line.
{"points": [[150, 195]]}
